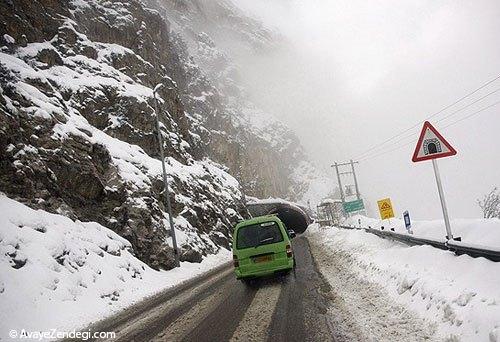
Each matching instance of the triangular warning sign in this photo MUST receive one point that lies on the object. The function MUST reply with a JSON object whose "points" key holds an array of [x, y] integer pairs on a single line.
{"points": [[431, 145]]}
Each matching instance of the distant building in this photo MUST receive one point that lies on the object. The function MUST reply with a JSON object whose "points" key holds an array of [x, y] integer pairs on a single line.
{"points": [[330, 212]]}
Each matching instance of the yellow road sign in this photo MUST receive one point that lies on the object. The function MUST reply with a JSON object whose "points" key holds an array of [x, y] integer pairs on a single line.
{"points": [[385, 208]]}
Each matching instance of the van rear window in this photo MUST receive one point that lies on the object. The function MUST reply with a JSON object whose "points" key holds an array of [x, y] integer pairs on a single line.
{"points": [[258, 234]]}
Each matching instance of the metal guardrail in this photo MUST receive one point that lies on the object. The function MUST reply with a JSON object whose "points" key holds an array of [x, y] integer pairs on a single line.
{"points": [[474, 250], [457, 247]]}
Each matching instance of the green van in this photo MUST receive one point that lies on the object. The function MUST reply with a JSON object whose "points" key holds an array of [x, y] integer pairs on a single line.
{"points": [[262, 246]]}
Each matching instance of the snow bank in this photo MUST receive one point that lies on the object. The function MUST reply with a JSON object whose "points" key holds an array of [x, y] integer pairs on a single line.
{"points": [[460, 294], [64, 274], [484, 232]]}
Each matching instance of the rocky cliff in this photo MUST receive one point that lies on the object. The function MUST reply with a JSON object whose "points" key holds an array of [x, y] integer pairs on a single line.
{"points": [[77, 124]]}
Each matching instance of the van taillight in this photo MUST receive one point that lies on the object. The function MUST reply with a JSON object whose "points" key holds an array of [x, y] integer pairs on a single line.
{"points": [[289, 251], [236, 262]]}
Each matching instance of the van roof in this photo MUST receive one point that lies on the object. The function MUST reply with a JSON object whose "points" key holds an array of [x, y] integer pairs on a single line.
{"points": [[258, 219]]}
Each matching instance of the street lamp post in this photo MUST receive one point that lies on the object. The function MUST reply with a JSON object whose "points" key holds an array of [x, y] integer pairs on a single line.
{"points": [[165, 180]]}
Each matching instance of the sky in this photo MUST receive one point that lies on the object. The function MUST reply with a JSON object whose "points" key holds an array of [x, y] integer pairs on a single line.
{"points": [[354, 73]]}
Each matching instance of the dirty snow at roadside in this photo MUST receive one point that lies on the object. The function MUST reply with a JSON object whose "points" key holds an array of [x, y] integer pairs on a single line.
{"points": [[458, 294], [59, 273]]}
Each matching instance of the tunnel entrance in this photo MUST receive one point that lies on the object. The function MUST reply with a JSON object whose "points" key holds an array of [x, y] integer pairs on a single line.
{"points": [[292, 218], [291, 214]]}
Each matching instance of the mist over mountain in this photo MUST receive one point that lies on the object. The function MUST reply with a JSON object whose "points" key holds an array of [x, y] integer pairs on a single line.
{"points": [[77, 125]]}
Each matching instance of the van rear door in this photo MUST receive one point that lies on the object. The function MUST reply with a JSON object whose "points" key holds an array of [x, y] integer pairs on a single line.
{"points": [[259, 243]]}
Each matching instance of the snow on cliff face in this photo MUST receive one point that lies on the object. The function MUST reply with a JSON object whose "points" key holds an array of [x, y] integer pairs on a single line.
{"points": [[77, 120], [78, 135], [313, 184], [60, 273]]}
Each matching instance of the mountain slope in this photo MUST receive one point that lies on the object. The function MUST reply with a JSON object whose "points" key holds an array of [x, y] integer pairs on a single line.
{"points": [[77, 125], [260, 150]]}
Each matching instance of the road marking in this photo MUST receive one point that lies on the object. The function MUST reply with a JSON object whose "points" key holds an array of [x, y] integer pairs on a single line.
{"points": [[255, 323]]}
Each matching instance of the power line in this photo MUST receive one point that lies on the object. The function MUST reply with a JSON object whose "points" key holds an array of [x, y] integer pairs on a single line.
{"points": [[472, 114], [414, 140], [467, 106], [444, 118], [385, 152], [429, 117]]}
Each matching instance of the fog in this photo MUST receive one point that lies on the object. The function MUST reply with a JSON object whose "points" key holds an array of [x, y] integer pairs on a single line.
{"points": [[354, 73]]}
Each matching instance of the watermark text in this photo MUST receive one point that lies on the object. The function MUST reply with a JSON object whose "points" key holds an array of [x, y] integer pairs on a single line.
{"points": [[54, 334]]}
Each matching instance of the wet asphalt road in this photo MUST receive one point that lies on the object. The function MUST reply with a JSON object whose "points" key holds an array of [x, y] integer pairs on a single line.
{"points": [[220, 308]]}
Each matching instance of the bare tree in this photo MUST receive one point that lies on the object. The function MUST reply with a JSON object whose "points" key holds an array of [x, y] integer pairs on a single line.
{"points": [[491, 204]]}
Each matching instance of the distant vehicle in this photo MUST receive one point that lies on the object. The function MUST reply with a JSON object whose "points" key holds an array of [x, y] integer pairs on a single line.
{"points": [[262, 246]]}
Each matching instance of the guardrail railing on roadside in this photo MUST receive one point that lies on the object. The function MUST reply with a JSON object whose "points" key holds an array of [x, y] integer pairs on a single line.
{"points": [[457, 247]]}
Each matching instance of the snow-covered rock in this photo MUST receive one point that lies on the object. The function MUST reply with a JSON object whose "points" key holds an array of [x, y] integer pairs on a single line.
{"points": [[77, 122], [78, 134]]}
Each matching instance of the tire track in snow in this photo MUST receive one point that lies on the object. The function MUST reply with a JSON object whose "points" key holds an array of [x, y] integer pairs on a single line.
{"points": [[221, 322], [145, 325], [195, 315], [302, 310], [255, 323]]}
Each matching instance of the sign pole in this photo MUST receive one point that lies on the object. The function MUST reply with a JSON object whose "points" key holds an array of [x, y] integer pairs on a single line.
{"points": [[432, 145], [443, 201]]}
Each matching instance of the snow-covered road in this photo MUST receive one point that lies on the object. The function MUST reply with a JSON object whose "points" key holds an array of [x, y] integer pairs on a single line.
{"points": [[332, 305], [220, 308]]}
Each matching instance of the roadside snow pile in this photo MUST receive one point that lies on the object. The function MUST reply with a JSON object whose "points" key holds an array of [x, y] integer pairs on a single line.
{"points": [[458, 293], [485, 232], [64, 274]]}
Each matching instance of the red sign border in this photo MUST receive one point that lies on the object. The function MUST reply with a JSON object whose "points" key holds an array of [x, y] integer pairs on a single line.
{"points": [[427, 125]]}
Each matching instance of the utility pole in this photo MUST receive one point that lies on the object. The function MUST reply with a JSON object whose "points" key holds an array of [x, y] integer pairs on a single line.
{"points": [[349, 192], [165, 180], [353, 172], [240, 179], [340, 183], [358, 195]]}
